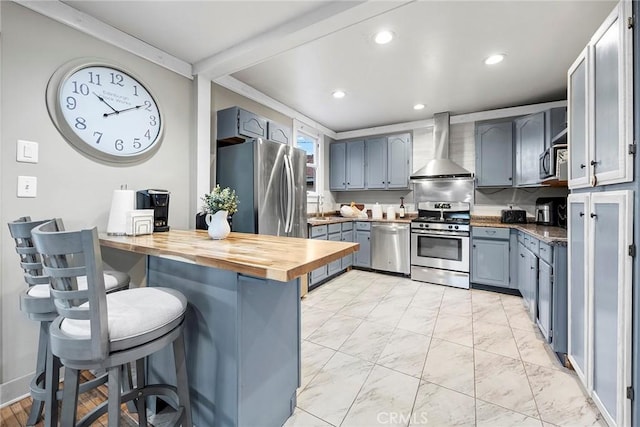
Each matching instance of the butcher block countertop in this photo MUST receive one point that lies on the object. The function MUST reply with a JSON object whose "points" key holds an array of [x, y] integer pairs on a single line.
{"points": [[269, 257]]}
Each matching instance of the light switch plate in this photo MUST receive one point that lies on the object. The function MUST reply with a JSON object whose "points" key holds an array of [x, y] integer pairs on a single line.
{"points": [[27, 186], [27, 151]]}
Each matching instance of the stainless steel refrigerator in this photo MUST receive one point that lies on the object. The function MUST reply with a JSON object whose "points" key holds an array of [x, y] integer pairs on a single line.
{"points": [[269, 179]]}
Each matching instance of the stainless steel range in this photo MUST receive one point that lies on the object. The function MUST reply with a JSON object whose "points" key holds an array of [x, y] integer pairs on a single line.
{"points": [[440, 243]]}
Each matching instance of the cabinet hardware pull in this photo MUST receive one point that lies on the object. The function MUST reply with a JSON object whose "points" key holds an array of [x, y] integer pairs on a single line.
{"points": [[521, 255], [581, 213], [582, 166], [510, 178], [592, 215], [593, 163]]}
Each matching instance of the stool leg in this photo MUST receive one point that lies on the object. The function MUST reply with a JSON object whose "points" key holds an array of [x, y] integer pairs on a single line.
{"points": [[51, 382], [141, 401], [41, 365], [70, 396], [114, 396], [182, 380], [127, 384]]}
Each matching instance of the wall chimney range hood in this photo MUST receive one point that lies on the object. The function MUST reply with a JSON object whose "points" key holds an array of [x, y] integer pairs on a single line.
{"points": [[441, 167]]}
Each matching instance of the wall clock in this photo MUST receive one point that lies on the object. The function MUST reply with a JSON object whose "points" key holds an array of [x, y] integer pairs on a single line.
{"points": [[105, 111]]}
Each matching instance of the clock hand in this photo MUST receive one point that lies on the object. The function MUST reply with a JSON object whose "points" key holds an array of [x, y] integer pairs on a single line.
{"points": [[118, 112], [107, 104]]}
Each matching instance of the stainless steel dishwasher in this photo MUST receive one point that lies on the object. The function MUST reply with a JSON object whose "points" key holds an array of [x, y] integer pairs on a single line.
{"points": [[390, 247]]}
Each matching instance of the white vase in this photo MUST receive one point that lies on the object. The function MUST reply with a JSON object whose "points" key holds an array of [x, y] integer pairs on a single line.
{"points": [[218, 225]]}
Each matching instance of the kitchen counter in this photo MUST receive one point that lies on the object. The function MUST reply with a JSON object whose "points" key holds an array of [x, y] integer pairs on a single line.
{"points": [[270, 257], [242, 326], [337, 219], [550, 235]]}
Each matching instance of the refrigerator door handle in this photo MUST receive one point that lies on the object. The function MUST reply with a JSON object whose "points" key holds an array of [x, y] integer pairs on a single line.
{"points": [[290, 194]]}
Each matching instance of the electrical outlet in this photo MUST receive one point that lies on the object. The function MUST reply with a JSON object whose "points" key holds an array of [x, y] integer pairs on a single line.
{"points": [[27, 151], [27, 186]]}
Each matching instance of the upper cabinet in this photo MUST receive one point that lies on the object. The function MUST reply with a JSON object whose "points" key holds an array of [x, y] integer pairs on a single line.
{"points": [[600, 84], [279, 133], [378, 163], [235, 124], [530, 143], [494, 154]]}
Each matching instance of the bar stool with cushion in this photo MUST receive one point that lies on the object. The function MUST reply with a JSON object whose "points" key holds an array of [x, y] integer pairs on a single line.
{"points": [[36, 303], [95, 330]]}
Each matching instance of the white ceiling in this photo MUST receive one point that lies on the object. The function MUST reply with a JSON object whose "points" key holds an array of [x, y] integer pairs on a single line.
{"points": [[298, 52]]}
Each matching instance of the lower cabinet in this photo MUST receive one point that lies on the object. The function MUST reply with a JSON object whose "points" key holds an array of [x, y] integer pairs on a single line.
{"points": [[338, 232], [362, 258], [490, 256]]}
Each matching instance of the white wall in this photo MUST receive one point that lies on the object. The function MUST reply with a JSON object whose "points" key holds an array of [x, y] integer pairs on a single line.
{"points": [[70, 185]]}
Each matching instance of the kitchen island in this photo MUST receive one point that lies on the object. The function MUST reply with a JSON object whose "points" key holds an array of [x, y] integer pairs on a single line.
{"points": [[243, 321]]}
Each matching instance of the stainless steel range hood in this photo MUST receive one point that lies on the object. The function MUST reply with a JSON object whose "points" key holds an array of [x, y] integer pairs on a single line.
{"points": [[441, 166]]}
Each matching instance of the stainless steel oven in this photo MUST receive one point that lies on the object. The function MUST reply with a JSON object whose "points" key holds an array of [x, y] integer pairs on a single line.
{"points": [[440, 244]]}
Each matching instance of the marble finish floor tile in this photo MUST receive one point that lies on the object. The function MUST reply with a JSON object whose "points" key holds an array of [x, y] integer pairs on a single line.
{"points": [[439, 406], [312, 319], [427, 298], [559, 397], [331, 393], [360, 306], [534, 349], [456, 307], [335, 331], [490, 313], [450, 365], [334, 301], [419, 320], [367, 341], [519, 319], [405, 352], [387, 312], [384, 395], [503, 381], [489, 415], [495, 339], [314, 357], [457, 329], [302, 418]]}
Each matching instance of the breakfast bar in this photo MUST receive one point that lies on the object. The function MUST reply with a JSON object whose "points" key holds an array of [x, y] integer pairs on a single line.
{"points": [[243, 321]]}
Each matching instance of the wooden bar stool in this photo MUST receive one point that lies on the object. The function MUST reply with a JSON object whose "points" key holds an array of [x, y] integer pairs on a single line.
{"points": [[36, 303], [95, 330]]}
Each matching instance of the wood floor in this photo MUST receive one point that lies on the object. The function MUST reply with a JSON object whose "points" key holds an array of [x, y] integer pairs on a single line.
{"points": [[16, 415]]}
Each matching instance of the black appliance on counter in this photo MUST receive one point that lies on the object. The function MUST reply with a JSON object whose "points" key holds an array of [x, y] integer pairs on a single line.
{"points": [[158, 200], [551, 211], [513, 216]]}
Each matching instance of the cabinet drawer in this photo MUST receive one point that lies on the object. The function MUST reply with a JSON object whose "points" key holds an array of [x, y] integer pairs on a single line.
{"points": [[347, 226], [334, 228], [490, 233], [521, 237], [363, 225], [319, 230], [533, 245], [546, 252]]}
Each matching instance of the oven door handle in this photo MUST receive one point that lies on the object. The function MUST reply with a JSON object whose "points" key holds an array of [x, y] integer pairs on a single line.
{"points": [[441, 233]]}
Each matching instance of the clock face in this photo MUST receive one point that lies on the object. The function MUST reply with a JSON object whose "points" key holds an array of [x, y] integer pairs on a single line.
{"points": [[105, 112]]}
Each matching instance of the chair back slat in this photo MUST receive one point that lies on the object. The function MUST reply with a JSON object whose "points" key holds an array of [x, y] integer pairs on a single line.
{"points": [[30, 262], [66, 255], [36, 280]]}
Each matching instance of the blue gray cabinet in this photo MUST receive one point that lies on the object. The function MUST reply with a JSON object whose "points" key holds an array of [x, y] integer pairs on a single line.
{"points": [[335, 232], [490, 256], [376, 170], [347, 236], [545, 295], [235, 124], [335, 266], [494, 154], [279, 133], [355, 165], [338, 166], [578, 112], [318, 232], [398, 161], [362, 258], [529, 143]]}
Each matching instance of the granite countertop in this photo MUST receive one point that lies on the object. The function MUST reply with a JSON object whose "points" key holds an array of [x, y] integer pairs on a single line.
{"points": [[333, 219], [551, 235], [270, 257]]}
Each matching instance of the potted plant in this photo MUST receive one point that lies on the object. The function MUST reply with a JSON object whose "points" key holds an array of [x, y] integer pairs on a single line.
{"points": [[219, 205]]}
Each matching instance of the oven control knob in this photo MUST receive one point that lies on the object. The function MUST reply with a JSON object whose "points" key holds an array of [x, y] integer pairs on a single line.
{"points": [[450, 227], [456, 227]]}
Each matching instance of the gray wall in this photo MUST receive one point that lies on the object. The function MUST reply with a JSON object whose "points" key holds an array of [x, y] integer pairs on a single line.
{"points": [[70, 185]]}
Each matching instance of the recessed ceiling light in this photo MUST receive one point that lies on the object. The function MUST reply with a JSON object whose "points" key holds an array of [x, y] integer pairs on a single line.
{"points": [[418, 106], [338, 94], [494, 59], [383, 37]]}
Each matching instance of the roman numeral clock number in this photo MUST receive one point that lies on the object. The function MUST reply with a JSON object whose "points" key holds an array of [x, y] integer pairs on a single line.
{"points": [[104, 111]]}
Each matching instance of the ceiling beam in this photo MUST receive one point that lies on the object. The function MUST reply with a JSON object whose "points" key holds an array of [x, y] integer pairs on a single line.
{"points": [[332, 17], [81, 21]]}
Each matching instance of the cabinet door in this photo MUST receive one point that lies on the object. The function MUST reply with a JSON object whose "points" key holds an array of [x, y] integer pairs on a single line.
{"points": [[336, 265], [612, 93], [363, 256], [611, 227], [490, 262], [279, 133], [347, 261], [319, 273], [529, 145], [494, 154], [337, 166], [545, 297], [355, 165], [577, 213], [578, 142], [523, 272], [376, 165], [532, 284], [398, 160], [251, 125]]}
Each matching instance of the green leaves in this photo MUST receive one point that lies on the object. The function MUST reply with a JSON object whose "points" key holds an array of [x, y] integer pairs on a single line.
{"points": [[220, 200]]}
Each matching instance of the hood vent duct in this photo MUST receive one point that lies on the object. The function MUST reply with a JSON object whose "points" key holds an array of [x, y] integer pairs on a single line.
{"points": [[441, 166]]}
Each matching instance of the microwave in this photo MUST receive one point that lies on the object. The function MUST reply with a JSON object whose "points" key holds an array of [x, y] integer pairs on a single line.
{"points": [[549, 160]]}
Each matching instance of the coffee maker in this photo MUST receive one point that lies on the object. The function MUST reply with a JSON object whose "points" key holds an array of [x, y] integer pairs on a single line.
{"points": [[158, 200], [551, 211]]}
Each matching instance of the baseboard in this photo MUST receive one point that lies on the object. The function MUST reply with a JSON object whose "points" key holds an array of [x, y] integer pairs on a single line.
{"points": [[14, 390]]}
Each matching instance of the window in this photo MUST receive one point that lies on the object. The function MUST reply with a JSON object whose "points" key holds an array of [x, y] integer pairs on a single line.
{"points": [[308, 140]]}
